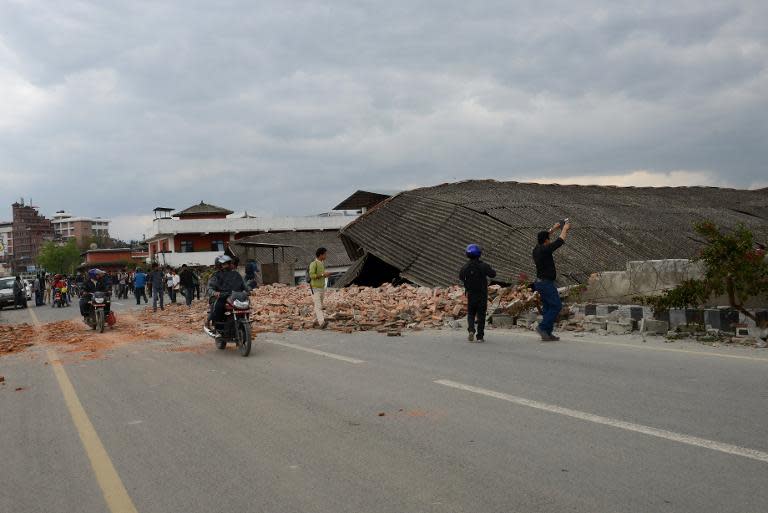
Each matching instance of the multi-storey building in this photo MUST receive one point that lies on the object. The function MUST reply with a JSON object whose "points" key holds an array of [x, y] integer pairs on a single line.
{"points": [[82, 229], [6, 245], [30, 231]]}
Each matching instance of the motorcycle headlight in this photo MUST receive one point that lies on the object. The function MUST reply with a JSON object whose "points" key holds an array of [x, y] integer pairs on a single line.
{"points": [[241, 304], [99, 299]]}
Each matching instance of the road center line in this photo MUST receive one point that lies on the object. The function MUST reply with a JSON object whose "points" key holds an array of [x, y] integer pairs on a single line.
{"points": [[316, 351], [606, 421], [115, 494]]}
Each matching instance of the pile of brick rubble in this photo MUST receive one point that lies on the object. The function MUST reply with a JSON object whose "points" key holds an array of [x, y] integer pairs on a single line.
{"points": [[387, 309]]}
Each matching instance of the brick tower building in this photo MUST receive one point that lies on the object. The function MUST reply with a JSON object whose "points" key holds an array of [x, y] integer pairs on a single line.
{"points": [[30, 230]]}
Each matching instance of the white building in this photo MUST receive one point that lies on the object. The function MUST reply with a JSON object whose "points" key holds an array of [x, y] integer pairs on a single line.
{"points": [[66, 226], [196, 235]]}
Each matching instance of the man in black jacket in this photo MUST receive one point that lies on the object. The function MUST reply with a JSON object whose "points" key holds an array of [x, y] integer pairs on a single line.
{"points": [[475, 276], [546, 274], [222, 284], [187, 282]]}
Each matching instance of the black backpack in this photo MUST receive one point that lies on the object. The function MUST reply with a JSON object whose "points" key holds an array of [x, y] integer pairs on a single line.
{"points": [[474, 277]]}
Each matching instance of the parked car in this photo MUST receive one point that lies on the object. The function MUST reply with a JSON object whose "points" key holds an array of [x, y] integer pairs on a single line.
{"points": [[6, 292]]}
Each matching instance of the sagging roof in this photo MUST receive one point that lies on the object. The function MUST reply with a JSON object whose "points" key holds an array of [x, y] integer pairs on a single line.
{"points": [[202, 208], [423, 232], [298, 247], [364, 199]]}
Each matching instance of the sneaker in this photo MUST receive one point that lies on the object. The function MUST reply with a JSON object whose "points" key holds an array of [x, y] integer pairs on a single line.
{"points": [[471, 337], [480, 340], [553, 338], [543, 334]]}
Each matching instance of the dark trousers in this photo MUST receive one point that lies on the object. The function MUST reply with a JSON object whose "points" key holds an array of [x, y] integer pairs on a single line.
{"points": [[550, 304], [189, 294], [219, 307], [139, 292], [21, 300], [171, 294], [477, 306]]}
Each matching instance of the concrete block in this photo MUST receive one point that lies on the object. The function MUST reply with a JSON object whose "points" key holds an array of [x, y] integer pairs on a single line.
{"points": [[523, 322], [594, 324], [590, 309], [654, 327], [603, 310], [676, 318], [636, 313], [503, 321], [662, 315], [722, 319], [684, 317], [619, 327]]}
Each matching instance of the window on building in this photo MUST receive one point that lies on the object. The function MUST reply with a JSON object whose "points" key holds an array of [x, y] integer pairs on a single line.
{"points": [[186, 246], [217, 245]]}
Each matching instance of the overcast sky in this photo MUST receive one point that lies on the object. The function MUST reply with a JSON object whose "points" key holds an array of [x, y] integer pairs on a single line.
{"points": [[278, 107]]}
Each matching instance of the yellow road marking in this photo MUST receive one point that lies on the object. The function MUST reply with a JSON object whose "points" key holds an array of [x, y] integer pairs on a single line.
{"points": [[115, 494]]}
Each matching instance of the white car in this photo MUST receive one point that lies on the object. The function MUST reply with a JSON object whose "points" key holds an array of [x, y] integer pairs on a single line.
{"points": [[6, 292]]}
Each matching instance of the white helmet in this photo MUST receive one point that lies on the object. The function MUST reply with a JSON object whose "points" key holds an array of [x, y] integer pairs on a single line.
{"points": [[223, 259]]}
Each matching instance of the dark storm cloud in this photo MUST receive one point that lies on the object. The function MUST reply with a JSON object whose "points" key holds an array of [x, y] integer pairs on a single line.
{"points": [[285, 107]]}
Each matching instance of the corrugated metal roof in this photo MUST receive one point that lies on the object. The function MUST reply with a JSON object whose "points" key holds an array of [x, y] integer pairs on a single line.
{"points": [[423, 232]]}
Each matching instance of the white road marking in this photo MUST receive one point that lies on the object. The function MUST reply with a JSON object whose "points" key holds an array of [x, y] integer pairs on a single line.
{"points": [[566, 338], [315, 351], [606, 421]]}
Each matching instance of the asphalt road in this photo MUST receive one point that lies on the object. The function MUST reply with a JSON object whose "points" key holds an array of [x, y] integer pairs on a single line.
{"points": [[512, 425]]}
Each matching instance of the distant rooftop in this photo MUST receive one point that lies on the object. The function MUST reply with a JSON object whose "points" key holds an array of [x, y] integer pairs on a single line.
{"points": [[203, 208]]}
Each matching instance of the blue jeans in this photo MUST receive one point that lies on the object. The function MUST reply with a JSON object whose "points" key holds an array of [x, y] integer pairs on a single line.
{"points": [[157, 293], [550, 303]]}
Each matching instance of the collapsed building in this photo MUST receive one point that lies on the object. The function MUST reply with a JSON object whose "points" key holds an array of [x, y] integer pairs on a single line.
{"points": [[419, 236]]}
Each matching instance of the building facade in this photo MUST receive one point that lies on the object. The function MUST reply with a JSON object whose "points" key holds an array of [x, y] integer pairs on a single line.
{"points": [[6, 247], [198, 234], [114, 259], [30, 231], [81, 229]]}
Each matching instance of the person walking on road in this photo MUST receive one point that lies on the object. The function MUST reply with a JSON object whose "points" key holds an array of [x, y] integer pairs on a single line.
{"points": [[139, 286], [474, 275], [187, 282], [317, 276], [157, 281], [545, 278], [19, 294]]}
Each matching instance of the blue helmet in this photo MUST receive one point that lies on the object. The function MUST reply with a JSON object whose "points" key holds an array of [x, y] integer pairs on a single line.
{"points": [[94, 273], [474, 251]]}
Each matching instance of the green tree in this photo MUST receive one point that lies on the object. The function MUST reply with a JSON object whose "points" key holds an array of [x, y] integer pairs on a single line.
{"points": [[59, 259], [734, 266]]}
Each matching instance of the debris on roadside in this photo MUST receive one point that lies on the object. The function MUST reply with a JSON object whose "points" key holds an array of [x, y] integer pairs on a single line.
{"points": [[75, 337], [388, 309], [15, 338]]}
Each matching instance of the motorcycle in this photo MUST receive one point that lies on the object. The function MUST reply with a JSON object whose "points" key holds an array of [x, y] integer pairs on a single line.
{"points": [[236, 326], [58, 299], [97, 317]]}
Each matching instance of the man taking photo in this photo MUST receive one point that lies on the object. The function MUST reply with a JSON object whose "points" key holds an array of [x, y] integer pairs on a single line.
{"points": [[546, 275]]}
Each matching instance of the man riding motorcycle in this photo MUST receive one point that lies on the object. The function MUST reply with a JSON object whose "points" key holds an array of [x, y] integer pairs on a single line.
{"points": [[94, 283], [221, 284]]}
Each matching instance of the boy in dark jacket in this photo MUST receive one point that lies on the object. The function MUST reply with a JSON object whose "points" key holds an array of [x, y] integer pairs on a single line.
{"points": [[474, 275]]}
